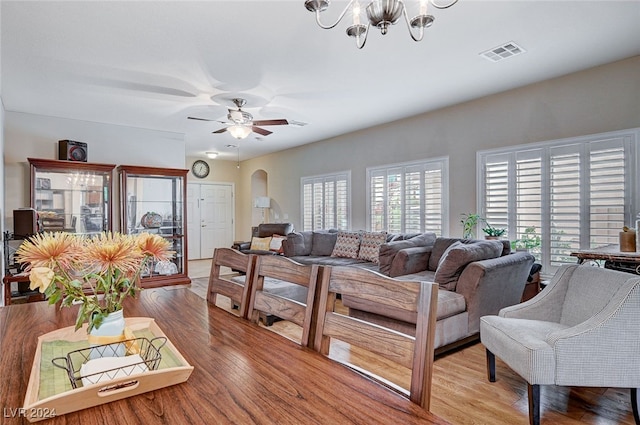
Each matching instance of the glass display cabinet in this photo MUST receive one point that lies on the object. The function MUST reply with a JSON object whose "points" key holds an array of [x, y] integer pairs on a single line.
{"points": [[71, 196], [153, 200]]}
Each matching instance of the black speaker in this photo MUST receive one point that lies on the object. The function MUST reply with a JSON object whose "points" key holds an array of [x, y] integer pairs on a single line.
{"points": [[25, 223], [70, 150]]}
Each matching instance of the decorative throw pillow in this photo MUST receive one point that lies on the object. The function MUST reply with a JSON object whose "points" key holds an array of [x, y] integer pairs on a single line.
{"points": [[458, 255], [276, 243], [260, 244], [347, 245], [370, 245]]}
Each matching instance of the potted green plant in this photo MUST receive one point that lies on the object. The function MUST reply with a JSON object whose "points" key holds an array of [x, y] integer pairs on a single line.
{"points": [[493, 232], [530, 241], [469, 222]]}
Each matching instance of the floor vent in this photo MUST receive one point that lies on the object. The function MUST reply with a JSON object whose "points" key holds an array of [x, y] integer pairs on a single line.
{"points": [[502, 52]]}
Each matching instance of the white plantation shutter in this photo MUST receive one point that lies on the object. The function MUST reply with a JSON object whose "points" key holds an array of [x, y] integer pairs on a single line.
{"points": [[575, 194], [565, 203], [413, 194], [342, 203], [325, 201], [497, 193], [607, 192], [377, 206], [394, 200], [329, 210], [528, 194], [408, 198], [318, 204], [434, 200], [307, 205]]}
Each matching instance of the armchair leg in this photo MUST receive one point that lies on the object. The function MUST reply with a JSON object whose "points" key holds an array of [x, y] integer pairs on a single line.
{"points": [[534, 404], [634, 404], [491, 366]]}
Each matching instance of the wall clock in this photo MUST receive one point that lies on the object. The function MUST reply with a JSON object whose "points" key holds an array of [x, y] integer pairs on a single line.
{"points": [[200, 169]]}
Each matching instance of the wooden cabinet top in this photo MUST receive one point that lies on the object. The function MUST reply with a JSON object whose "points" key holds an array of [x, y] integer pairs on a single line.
{"points": [[55, 164], [152, 171]]}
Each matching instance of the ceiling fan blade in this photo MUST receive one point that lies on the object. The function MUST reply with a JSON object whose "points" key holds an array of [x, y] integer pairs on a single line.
{"points": [[199, 119], [205, 119], [260, 130], [222, 130], [271, 122]]}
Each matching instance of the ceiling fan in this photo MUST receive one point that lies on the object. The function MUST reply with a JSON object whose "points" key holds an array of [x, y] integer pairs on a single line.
{"points": [[241, 123]]}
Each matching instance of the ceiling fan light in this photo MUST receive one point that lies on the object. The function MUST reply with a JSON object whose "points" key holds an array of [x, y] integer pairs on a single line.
{"points": [[239, 131]]}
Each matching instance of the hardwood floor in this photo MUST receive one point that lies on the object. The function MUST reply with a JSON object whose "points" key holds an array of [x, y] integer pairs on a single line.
{"points": [[462, 394]]}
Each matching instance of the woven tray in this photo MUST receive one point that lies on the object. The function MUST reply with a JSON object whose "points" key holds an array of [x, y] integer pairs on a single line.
{"points": [[49, 390]]}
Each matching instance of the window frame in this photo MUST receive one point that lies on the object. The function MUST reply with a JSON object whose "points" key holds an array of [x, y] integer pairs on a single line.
{"points": [[630, 139], [443, 163], [337, 176]]}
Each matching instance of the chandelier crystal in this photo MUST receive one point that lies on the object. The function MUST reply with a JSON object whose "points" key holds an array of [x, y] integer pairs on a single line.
{"points": [[379, 13]]}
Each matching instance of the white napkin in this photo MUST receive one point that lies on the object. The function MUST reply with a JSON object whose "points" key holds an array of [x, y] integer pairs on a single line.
{"points": [[117, 367]]}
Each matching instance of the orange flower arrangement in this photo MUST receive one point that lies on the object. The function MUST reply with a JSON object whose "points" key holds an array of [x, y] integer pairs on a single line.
{"points": [[76, 269]]}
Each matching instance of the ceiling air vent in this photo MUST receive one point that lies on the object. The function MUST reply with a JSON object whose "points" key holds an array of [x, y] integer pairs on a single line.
{"points": [[502, 52]]}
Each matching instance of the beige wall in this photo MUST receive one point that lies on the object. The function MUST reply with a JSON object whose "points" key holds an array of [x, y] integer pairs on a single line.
{"points": [[597, 100], [221, 171]]}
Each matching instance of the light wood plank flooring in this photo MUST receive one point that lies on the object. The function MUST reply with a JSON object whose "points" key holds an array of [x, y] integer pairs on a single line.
{"points": [[461, 393]]}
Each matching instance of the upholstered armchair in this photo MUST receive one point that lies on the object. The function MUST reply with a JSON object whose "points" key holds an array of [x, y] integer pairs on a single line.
{"points": [[583, 329], [260, 234]]}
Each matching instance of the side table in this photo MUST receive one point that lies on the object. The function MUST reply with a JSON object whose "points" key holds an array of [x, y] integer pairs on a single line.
{"points": [[613, 258], [19, 296]]}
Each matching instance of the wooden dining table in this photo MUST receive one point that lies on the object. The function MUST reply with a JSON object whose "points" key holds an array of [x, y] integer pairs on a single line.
{"points": [[243, 373]]}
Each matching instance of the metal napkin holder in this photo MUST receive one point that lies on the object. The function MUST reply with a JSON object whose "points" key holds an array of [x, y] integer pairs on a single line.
{"points": [[148, 351]]}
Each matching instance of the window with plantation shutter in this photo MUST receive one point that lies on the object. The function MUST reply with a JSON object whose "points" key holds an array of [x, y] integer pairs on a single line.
{"points": [[325, 201], [570, 194], [408, 198]]}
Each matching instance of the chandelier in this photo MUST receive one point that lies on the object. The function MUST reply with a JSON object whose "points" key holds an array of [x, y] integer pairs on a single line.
{"points": [[379, 13]]}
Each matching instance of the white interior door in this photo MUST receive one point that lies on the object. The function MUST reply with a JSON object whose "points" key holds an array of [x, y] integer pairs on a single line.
{"points": [[211, 222], [193, 221], [216, 209]]}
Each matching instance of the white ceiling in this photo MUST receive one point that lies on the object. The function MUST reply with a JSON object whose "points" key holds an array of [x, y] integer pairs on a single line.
{"points": [[150, 64]]}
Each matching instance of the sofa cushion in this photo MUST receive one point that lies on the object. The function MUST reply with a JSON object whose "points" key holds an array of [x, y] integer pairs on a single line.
{"points": [[323, 243], [347, 245], [260, 244], [391, 237], [458, 255], [370, 245], [294, 245], [270, 229], [441, 245], [388, 251]]}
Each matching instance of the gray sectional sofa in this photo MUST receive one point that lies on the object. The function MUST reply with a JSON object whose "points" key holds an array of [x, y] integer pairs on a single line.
{"points": [[476, 277], [316, 247]]}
